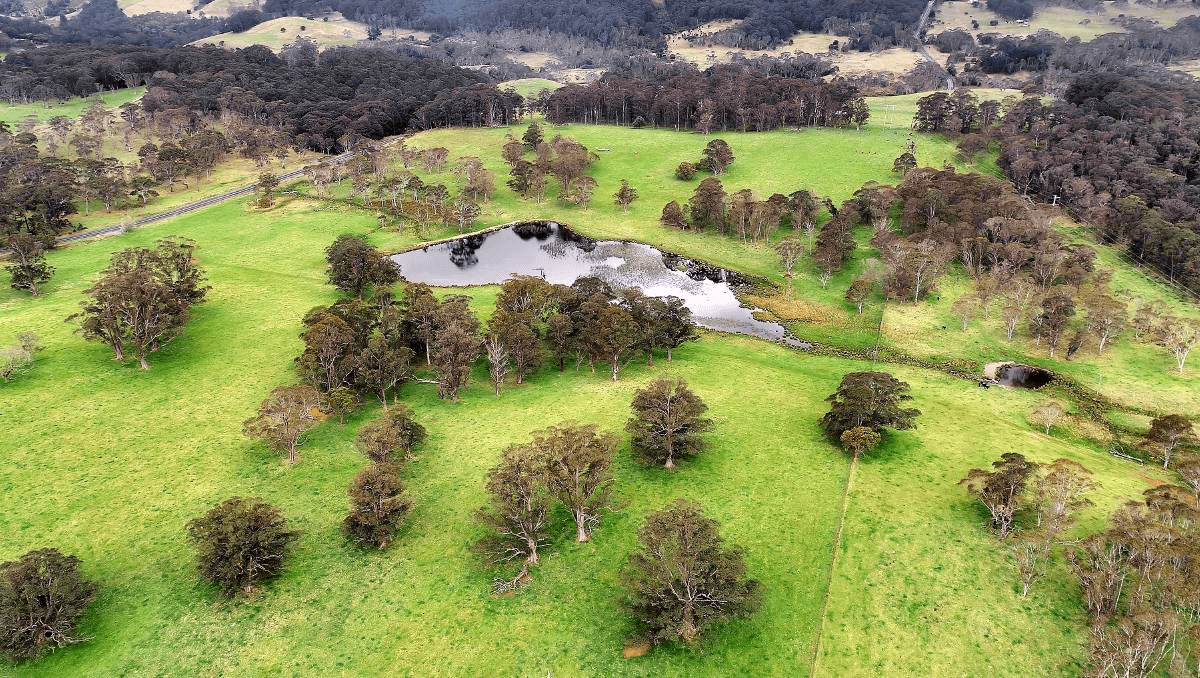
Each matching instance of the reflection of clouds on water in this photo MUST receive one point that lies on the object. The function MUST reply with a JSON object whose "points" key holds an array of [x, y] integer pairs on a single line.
{"points": [[562, 256]]}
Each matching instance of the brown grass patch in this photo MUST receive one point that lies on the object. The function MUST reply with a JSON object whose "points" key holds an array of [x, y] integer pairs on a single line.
{"points": [[148, 6], [895, 60], [802, 310], [1152, 482], [632, 651]]}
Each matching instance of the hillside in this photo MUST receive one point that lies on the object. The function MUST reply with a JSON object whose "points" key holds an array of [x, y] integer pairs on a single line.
{"points": [[915, 588], [327, 31], [1107, 17]]}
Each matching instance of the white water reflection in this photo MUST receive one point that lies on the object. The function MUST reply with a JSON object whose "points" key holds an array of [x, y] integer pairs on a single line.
{"points": [[560, 256]]}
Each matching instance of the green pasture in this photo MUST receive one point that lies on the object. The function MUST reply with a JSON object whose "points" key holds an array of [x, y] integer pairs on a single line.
{"points": [[110, 462], [921, 588], [530, 88], [172, 446], [72, 108]]}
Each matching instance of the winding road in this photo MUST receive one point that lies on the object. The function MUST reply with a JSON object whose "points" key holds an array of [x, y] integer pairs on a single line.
{"points": [[923, 50]]}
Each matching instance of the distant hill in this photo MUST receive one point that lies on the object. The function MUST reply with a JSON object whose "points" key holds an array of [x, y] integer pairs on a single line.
{"points": [[764, 22]]}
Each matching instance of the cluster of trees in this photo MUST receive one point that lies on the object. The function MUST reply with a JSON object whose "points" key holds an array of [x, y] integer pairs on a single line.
{"points": [[863, 407], [39, 191], [323, 101], [1044, 285], [586, 320], [401, 194], [143, 299], [1137, 578], [346, 92], [724, 97], [682, 580], [563, 158], [1120, 152], [367, 344], [351, 347], [741, 214], [378, 502], [569, 464], [958, 112], [1142, 45], [1016, 491], [716, 158]]}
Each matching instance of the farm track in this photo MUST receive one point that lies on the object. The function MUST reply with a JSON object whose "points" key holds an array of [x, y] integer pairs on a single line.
{"points": [[211, 200], [923, 50]]}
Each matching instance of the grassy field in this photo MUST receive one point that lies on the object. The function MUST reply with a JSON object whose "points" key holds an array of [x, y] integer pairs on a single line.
{"points": [[779, 161], [278, 32], [1137, 374], [172, 444], [15, 113], [1066, 21], [893, 60], [919, 589], [530, 88]]}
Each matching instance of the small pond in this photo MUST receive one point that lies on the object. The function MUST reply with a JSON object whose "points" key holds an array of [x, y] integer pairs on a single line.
{"points": [[1016, 374], [561, 256]]}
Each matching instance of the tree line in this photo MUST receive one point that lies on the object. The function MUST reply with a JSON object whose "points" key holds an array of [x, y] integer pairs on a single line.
{"points": [[318, 100], [723, 97], [1119, 152]]}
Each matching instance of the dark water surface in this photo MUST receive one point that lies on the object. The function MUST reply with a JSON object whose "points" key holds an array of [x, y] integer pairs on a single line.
{"points": [[561, 256], [1024, 376]]}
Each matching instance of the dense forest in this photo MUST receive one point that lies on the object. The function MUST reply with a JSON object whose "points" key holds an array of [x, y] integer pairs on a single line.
{"points": [[103, 22], [316, 99], [722, 97], [1122, 150], [611, 22]]}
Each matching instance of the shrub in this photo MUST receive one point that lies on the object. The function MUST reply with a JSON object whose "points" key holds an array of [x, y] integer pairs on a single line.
{"points": [[377, 506], [42, 598], [240, 543]]}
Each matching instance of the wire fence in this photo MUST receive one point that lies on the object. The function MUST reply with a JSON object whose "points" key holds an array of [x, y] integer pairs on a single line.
{"points": [[1153, 273]]}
